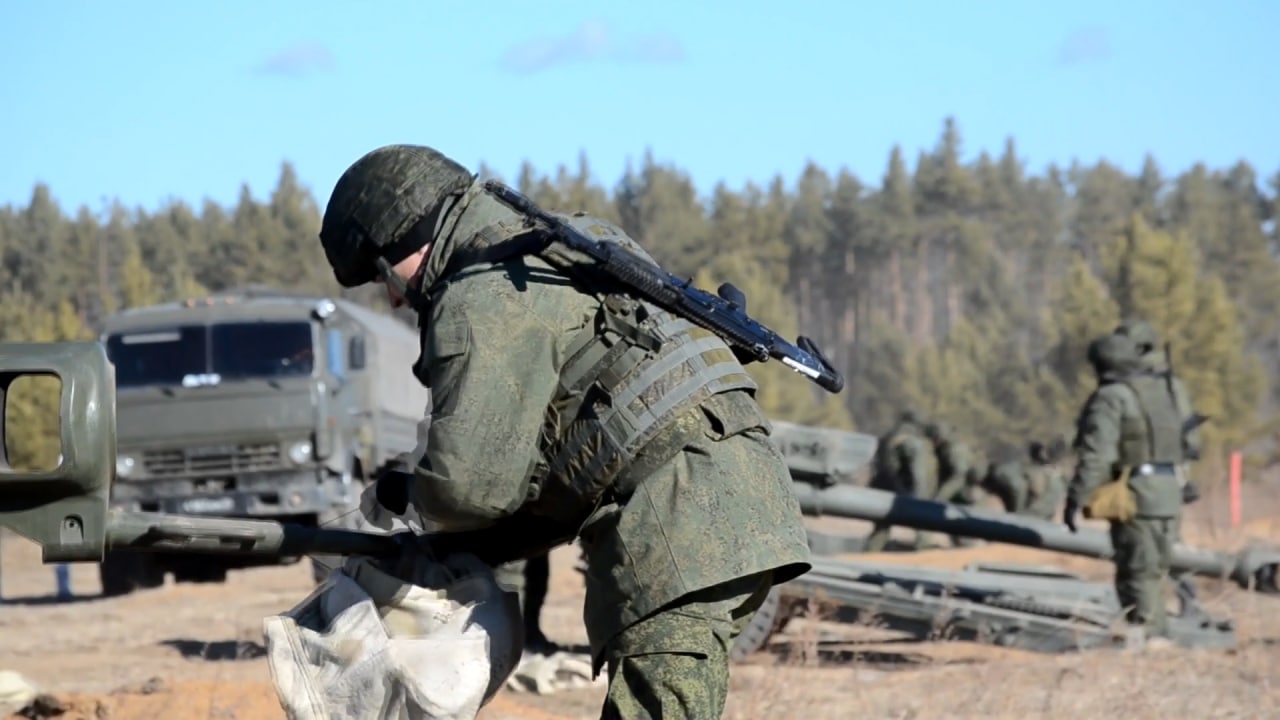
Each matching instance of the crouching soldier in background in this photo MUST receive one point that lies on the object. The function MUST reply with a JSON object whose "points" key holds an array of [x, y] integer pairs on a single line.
{"points": [[904, 464]]}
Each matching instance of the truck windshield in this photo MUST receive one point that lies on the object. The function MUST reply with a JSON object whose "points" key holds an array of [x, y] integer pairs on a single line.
{"points": [[227, 351], [158, 357], [261, 350]]}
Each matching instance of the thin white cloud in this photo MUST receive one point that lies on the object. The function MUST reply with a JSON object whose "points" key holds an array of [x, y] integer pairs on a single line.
{"points": [[1084, 45], [298, 60], [593, 41]]}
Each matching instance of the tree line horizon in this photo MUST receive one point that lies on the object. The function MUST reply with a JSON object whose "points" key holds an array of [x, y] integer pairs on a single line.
{"points": [[967, 291]]}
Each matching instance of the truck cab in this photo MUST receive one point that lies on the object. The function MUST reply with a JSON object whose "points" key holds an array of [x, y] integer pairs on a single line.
{"points": [[254, 403]]}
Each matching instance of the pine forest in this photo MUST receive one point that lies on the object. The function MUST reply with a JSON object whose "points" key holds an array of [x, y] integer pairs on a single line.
{"points": [[967, 290]]}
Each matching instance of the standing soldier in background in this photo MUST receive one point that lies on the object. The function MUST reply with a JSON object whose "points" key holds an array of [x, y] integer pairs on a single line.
{"points": [[1129, 450], [904, 464]]}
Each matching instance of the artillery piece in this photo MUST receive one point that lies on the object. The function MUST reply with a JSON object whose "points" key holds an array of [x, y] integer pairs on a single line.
{"points": [[65, 510], [1034, 608]]}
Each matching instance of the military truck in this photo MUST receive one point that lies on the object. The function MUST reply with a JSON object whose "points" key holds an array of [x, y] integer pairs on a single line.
{"points": [[254, 403]]}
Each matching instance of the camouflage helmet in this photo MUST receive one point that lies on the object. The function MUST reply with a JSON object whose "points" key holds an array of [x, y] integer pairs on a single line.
{"points": [[1141, 332], [385, 206], [1113, 353]]}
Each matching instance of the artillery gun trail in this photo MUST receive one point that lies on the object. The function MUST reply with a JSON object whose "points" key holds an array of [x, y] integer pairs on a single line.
{"points": [[66, 511], [1034, 608]]}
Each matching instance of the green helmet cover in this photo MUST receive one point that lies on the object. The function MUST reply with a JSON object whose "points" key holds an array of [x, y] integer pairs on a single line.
{"points": [[386, 206], [1113, 354], [1140, 332]]}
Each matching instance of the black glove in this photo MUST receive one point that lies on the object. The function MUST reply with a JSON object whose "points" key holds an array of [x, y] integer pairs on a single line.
{"points": [[1069, 512], [1190, 492], [392, 489]]}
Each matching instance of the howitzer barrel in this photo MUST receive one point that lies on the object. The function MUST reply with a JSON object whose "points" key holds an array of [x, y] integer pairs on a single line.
{"points": [[1252, 568], [224, 536]]}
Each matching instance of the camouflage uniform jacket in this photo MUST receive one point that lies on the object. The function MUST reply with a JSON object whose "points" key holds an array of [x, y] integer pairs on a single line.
{"points": [[1007, 482], [495, 340], [905, 462], [1098, 450], [955, 462], [1046, 491]]}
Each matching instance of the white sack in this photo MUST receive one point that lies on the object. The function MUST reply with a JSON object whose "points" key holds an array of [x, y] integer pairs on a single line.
{"points": [[557, 672], [366, 645]]}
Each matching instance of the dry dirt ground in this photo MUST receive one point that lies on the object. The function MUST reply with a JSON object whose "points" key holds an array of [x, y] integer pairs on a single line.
{"points": [[193, 652]]}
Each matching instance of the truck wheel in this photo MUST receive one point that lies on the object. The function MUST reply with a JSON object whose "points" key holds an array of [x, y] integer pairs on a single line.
{"points": [[768, 619], [121, 573]]}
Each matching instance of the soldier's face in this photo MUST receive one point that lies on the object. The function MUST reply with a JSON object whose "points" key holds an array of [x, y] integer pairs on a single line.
{"points": [[407, 269]]}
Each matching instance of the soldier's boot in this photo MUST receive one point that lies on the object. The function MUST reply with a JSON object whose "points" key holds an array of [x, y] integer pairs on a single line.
{"points": [[1134, 637], [1141, 639]]}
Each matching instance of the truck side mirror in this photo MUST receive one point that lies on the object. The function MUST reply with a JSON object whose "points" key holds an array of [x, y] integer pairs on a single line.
{"points": [[63, 509], [355, 353], [333, 354]]}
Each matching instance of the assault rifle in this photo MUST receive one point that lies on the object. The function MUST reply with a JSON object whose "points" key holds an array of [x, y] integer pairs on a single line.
{"points": [[723, 314]]}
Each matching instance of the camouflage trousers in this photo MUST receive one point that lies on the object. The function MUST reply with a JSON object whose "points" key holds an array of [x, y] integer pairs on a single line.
{"points": [[1143, 554], [674, 664]]}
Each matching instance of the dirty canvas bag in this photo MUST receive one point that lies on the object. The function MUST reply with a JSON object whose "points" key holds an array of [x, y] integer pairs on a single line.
{"points": [[369, 645]]}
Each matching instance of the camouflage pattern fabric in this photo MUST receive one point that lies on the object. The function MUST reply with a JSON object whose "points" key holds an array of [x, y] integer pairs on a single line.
{"points": [[905, 464], [1143, 545], [675, 663], [956, 475], [1007, 481], [1143, 549], [720, 509], [954, 461], [1046, 491], [1152, 359]]}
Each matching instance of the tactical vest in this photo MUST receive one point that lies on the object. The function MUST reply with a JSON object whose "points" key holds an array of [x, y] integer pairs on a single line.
{"points": [[630, 391], [1155, 435]]}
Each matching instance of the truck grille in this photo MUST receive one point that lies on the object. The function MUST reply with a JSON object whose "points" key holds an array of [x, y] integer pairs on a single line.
{"points": [[210, 461]]}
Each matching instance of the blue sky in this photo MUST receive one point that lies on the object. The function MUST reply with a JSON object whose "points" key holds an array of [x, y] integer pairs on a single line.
{"points": [[144, 101]]}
